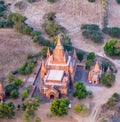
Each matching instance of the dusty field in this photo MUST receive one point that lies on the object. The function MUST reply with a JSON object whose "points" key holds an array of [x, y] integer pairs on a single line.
{"points": [[114, 14], [71, 14], [13, 50]]}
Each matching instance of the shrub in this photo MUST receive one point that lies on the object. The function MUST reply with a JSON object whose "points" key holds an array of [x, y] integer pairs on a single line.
{"points": [[81, 108], [92, 31], [107, 79], [80, 55], [14, 94], [9, 88], [18, 82], [91, 0], [35, 35], [118, 1], [91, 56], [27, 67], [113, 31], [24, 93], [88, 64], [111, 102], [105, 65], [50, 16], [52, 1], [44, 51], [52, 28]]}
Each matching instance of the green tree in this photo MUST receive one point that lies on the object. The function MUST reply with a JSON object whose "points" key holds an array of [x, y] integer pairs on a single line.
{"points": [[80, 90], [91, 56], [109, 47], [59, 107]]}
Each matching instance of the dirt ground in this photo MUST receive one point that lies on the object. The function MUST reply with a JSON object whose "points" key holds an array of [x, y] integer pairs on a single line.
{"points": [[13, 50], [114, 14]]}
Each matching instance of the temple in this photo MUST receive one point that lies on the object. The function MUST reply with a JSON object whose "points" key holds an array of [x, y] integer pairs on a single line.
{"points": [[2, 94], [57, 72], [95, 74]]}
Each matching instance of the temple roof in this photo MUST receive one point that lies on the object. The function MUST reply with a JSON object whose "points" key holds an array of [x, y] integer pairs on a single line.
{"points": [[56, 75]]}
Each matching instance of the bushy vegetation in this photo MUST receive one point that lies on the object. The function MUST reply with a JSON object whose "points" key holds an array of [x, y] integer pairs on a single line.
{"points": [[51, 27], [90, 59], [91, 56], [29, 107], [80, 90], [2, 8], [91, 0], [51, 1], [24, 94], [27, 67], [105, 65], [92, 32], [7, 110], [118, 1], [80, 55], [10, 89], [59, 107], [81, 108], [112, 48], [107, 79], [112, 31]]}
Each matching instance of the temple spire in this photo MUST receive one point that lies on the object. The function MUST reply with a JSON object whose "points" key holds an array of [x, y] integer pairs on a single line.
{"points": [[108, 69], [48, 52], [59, 45], [43, 69], [96, 68], [1, 88], [1, 92], [74, 54]]}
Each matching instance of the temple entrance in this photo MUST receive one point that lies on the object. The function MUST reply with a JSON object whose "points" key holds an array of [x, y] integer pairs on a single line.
{"points": [[52, 97], [94, 82]]}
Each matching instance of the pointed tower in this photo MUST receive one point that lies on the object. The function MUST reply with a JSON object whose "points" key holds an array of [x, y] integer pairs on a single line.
{"points": [[108, 70], [2, 94], [58, 53], [71, 67], [43, 70], [97, 67], [48, 52], [74, 54]]}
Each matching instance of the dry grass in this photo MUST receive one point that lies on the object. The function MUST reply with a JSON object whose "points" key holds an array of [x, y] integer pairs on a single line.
{"points": [[13, 50]]}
